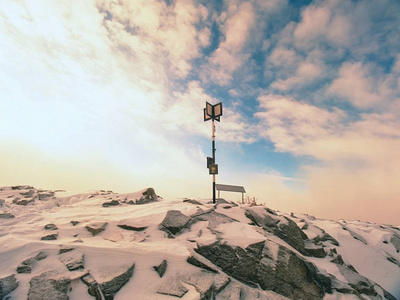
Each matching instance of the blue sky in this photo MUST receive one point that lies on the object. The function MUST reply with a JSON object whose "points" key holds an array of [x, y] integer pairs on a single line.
{"points": [[109, 95]]}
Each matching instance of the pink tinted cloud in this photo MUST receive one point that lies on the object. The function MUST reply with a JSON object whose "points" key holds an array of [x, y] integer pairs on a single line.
{"points": [[236, 23], [358, 166], [356, 85]]}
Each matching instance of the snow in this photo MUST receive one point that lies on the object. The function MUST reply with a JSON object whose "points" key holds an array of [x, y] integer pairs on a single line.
{"points": [[113, 251], [239, 234]]}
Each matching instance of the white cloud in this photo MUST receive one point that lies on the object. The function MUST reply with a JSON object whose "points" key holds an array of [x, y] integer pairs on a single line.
{"points": [[356, 84], [156, 37], [230, 55]]}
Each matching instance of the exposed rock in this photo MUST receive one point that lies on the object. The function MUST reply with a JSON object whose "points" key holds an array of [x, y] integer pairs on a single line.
{"points": [[23, 202], [111, 203], [289, 275], [174, 222], [28, 264], [65, 250], [7, 285], [395, 242], [6, 216], [50, 227], [28, 194], [207, 284], [22, 187], [172, 287], [49, 286], [110, 288], [195, 262], [160, 269], [195, 202], [44, 195], [289, 232], [96, 228], [93, 287], [143, 200], [24, 269], [214, 219], [41, 255], [133, 228], [232, 292], [50, 237], [358, 282], [149, 194], [2, 201], [74, 223], [316, 252], [73, 260], [324, 238]]}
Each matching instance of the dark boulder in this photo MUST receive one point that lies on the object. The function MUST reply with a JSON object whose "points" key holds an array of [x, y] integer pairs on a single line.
{"points": [[174, 222], [149, 194], [111, 203], [7, 285], [161, 268], [28, 264], [96, 228], [50, 237], [6, 216], [50, 227]]}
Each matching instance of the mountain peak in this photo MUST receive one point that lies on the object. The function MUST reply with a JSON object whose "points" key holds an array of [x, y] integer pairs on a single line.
{"points": [[106, 245]]}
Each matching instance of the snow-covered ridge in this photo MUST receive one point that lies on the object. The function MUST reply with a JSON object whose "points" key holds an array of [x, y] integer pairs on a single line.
{"points": [[103, 245]]}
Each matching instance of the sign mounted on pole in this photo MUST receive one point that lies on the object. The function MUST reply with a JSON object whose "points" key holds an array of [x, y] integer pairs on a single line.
{"points": [[212, 112]]}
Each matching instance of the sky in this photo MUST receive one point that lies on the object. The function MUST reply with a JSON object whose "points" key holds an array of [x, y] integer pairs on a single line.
{"points": [[110, 95]]}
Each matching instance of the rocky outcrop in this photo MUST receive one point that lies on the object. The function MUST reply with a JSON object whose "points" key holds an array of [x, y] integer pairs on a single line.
{"points": [[195, 202], [111, 203], [110, 288], [133, 228], [286, 274], [282, 227], [93, 287], [49, 286], [96, 228], [50, 226], [149, 194], [6, 216], [207, 284], [172, 287], [28, 264], [174, 222], [161, 268], [73, 260], [50, 237], [7, 285]]}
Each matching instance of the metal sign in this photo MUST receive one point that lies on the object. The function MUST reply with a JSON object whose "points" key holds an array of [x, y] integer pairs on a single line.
{"points": [[213, 112]]}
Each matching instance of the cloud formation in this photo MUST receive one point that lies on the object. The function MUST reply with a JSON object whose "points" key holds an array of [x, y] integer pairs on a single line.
{"points": [[311, 93]]}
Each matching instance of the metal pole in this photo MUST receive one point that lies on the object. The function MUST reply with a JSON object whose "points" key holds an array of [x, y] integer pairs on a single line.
{"points": [[213, 154]]}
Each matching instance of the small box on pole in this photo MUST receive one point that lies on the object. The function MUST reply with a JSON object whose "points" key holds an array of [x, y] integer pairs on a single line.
{"points": [[213, 170]]}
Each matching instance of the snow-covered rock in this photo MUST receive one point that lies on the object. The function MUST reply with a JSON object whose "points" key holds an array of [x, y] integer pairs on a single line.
{"points": [[73, 247]]}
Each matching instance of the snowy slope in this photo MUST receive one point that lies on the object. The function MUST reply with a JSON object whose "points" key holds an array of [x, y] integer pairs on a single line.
{"points": [[100, 236]]}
